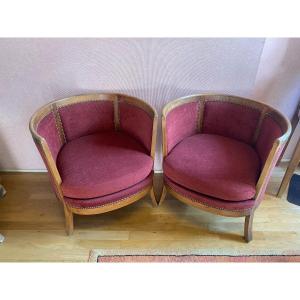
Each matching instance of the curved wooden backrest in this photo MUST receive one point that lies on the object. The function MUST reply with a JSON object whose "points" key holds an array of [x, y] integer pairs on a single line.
{"points": [[195, 109], [62, 120], [253, 122]]}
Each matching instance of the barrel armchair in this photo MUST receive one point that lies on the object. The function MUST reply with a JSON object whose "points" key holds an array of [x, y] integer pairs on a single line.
{"points": [[219, 151], [99, 151]]}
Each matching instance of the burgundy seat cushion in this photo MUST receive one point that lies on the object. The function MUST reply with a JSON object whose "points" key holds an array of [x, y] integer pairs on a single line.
{"points": [[210, 201], [111, 198], [101, 164], [214, 165]]}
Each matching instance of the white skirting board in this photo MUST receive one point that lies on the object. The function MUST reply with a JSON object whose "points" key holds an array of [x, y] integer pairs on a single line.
{"points": [[23, 171]]}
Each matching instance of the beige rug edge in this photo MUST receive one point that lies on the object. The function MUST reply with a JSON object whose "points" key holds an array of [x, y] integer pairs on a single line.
{"points": [[94, 253]]}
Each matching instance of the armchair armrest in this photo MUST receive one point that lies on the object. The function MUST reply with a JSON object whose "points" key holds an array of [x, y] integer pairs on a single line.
{"points": [[44, 121], [272, 145]]}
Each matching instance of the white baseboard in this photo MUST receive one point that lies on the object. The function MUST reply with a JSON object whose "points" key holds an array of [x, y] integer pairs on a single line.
{"points": [[23, 171]]}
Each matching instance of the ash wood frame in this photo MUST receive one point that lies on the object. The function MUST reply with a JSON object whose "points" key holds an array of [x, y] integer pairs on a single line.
{"points": [[292, 166], [294, 162], [273, 155], [50, 163]]}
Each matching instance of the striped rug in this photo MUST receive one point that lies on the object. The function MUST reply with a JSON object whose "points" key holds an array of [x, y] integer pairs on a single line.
{"points": [[111, 256]]}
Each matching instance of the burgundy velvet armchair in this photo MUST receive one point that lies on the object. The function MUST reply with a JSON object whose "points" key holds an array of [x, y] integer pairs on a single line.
{"points": [[99, 151], [219, 152]]}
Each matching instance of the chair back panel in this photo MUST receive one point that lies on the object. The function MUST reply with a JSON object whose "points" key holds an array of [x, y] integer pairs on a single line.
{"points": [[88, 117], [270, 131], [136, 122], [48, 130], [231, 120], [181, 122]]}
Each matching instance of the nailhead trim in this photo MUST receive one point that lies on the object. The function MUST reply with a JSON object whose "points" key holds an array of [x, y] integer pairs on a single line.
{"points": [[200, 114], [249, 105], [111, 203], [195, 201], [58, 124]]}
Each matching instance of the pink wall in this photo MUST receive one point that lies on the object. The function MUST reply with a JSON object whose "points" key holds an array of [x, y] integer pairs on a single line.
{"points": [[278, 76], [36, 71], [278, 79]]}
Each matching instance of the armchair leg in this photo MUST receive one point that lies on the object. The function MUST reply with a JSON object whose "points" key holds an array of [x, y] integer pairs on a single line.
{"points": [[68, 220], [163, 195], [248, 227], [153, 198]]}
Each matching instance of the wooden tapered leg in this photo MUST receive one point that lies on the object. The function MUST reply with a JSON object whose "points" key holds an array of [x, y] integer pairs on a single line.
{"points": [[248, 227], [290, 170], [152, 195], [69, 220], [163, 195]]}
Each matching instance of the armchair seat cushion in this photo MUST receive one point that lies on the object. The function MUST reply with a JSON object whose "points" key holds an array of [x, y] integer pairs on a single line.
{"points": [[111, 198], [101, 164], [210, 201], [215, 166]]}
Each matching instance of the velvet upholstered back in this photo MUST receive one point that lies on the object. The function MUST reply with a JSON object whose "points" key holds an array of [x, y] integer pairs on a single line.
{"points": [[85, 118], [242, 119], [65, 120]]}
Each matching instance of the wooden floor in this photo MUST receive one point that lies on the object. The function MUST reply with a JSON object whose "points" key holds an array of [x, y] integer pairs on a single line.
{"points": [[32, 221]]}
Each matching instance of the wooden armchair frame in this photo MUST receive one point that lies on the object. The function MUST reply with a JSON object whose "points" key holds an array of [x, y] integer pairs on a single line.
{"points": [[272, 158], [50, 163]]}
